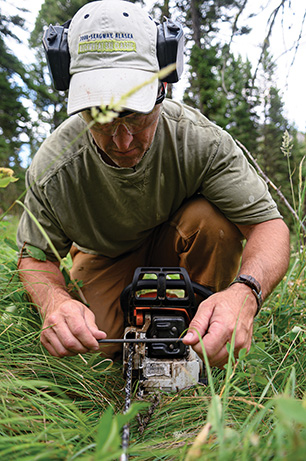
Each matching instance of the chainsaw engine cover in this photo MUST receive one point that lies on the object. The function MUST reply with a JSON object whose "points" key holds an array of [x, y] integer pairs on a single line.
{"points": [[167, 327], [170, 374]]}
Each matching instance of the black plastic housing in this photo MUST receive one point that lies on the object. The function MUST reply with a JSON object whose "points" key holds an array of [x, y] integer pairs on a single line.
{"points": [[170, 48], [58, 58]]}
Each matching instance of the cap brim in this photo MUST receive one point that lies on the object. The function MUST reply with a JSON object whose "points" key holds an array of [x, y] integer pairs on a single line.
{"points": [[105, 86]]}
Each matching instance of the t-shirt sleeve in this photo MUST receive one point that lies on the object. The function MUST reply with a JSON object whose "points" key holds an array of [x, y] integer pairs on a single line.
{"points": [[234, 186], [28, 231]]}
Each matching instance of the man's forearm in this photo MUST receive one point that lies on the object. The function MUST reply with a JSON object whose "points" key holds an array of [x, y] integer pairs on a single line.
{"points": [[44, 282], [266, 253]]}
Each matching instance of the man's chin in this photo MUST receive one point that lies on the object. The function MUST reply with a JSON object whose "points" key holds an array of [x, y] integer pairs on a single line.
{"points": [[125, 159]]}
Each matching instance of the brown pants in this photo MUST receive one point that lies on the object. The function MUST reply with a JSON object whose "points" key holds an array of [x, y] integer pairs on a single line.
{"points": [[197, 237]]}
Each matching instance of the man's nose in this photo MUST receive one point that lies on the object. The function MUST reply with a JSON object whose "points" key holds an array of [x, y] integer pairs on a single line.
{"points": [[122, 137]]}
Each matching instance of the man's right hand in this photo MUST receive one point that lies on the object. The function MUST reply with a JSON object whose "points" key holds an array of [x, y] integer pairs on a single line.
{"points": [[69, 329]]}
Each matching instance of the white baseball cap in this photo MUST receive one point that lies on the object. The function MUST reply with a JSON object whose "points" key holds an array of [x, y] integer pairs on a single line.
{"points": [[112, 44]]}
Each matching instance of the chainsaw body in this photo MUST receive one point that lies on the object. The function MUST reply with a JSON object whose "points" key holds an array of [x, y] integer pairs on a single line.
{"points": [[159, 304]]}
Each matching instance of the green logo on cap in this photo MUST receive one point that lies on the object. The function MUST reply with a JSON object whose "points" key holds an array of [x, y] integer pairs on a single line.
{"points": [[106, 46]]}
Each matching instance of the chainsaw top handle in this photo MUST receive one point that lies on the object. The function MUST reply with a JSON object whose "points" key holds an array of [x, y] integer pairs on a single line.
{"points": [[161, 288]]}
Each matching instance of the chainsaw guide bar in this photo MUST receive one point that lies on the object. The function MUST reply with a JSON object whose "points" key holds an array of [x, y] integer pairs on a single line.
{"points": [[140, 340]]}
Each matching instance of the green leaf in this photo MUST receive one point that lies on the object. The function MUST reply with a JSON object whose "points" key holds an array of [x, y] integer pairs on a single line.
{"points": [[214, 414], [240, 391], [260, 379], [4, 182], [108, 437], [109, 431], [66, 275], [261, 345], [35, 253], [242, 354], [10, 243], [291, 409], [134, 409], [6, 177]]}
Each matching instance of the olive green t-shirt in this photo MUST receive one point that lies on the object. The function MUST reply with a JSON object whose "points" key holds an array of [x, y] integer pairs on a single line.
{"points": [[80, 199]]}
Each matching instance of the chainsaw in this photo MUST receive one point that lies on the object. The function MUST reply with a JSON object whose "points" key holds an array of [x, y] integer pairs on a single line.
{"points": [[158, 307]]}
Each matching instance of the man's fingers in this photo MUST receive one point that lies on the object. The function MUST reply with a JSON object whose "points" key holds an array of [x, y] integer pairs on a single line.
{"points": [[199, 324], [214, 343], [216, 339], [71, 330], [80, 332], [91, 325], [51, 342], [49, 348], [215, 360]]}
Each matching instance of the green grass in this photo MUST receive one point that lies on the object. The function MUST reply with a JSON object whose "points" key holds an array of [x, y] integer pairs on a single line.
{"points": [[59, 409]]}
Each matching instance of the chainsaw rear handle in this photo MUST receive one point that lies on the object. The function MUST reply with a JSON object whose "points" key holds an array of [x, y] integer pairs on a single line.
{"points": [[198, 289]]}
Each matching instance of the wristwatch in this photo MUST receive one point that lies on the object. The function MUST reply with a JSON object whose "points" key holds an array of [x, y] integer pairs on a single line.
{"points": [[254, 285]]}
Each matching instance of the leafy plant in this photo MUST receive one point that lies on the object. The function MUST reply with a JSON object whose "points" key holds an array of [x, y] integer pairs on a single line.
{"points": [[6, 177]]}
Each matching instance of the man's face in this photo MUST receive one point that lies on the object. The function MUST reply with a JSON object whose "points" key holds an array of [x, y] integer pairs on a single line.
{"points": [[127, 139]]}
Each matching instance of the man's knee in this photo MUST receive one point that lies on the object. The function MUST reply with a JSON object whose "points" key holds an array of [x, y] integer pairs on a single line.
{"points": [[201, 239], [198, 215]]}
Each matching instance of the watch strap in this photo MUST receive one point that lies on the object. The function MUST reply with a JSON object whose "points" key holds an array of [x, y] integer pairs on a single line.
{"points": [[254, 285]]}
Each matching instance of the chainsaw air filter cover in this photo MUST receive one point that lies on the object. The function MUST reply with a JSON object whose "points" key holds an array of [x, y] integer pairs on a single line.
{"points": [[170, 326]]}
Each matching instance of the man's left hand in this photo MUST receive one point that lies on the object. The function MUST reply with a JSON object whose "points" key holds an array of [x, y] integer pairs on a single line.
{"points": [[216, 319]]}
